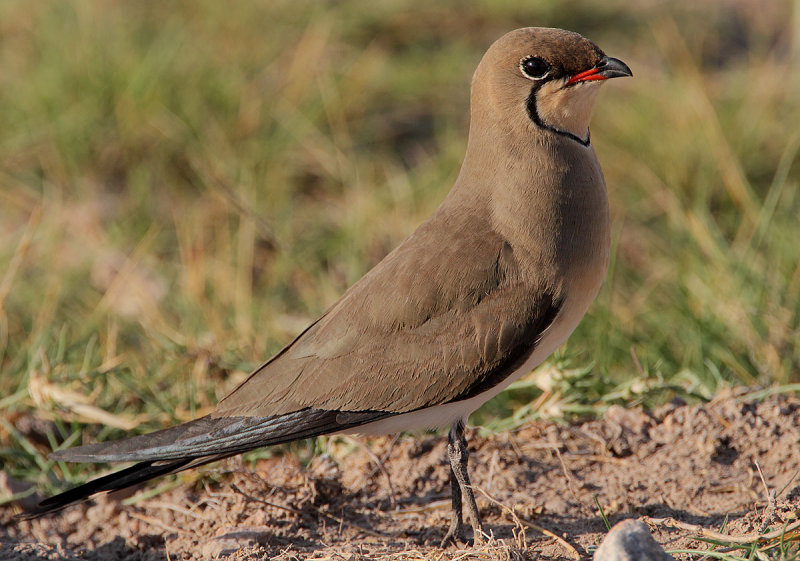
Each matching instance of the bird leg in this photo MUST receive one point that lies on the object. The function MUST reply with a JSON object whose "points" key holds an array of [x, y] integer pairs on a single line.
{"points": [[460, 488]]}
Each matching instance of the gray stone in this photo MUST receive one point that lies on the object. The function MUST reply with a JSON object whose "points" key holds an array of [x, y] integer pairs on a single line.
{"points": [[630, 540]]}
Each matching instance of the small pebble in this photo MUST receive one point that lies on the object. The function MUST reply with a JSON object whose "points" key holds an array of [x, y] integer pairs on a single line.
{"points": [[630, 540]]}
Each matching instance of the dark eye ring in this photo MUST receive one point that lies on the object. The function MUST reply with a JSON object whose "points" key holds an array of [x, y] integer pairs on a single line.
{"points": [[534, 67]]}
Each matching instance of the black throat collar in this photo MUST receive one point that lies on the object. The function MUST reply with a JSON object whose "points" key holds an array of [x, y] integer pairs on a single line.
{"points": [[533, 113]]}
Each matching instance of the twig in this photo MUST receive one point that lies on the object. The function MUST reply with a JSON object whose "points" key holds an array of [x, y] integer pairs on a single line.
{"points": [[787, 484], [177, 508], [706, 533], [156, 522], [510, 511], [573, 553], [248, 496], [568, 475], [380, 466], [389, 448], [427, 507], [636, 362], [492, 464], [337, 519], [767, 514], [770, 495]]}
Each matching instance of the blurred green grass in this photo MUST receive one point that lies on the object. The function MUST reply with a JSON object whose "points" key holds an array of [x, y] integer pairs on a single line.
{"points": [[184, 186]]}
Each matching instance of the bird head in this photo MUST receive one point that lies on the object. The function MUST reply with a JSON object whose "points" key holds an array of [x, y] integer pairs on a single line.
{"points": [[542, 77]]}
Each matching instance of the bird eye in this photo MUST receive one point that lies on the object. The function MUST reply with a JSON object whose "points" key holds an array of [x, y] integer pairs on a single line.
{"points": [[534, 67]]}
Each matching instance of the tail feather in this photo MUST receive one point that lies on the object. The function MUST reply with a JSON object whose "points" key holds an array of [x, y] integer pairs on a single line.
{"points": [[133, 475], [193, 444], [208, 436], [128, 477]]}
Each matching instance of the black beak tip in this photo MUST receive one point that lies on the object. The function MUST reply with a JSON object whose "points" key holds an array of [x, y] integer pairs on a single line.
{"points": [[611, 67]]}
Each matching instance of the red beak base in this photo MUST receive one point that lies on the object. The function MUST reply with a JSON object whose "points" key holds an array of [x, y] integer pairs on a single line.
{"points": [[608, 67], [586, 76]]}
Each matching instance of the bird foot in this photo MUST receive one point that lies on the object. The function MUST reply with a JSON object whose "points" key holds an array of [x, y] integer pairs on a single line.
{"points": [[463, 498], [455, 534]]}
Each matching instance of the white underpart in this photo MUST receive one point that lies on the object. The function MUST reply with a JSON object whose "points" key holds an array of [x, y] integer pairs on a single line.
{"points": [[440, 416]]}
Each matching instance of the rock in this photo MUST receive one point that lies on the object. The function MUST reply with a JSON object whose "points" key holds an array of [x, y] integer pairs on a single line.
{"points": [[630, 540]]}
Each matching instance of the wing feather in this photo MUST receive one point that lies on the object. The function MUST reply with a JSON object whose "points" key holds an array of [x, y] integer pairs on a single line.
{"points": [[422, 328]]}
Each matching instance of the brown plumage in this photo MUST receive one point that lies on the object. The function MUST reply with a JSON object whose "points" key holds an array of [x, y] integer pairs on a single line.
{"points": [[483, 291]]}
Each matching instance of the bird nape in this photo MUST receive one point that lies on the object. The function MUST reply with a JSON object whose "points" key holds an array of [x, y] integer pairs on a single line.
{"points": [[481, 293]]}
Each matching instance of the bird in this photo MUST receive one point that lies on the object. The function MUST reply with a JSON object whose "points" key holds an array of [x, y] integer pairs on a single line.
{"points": [[482, 292]]}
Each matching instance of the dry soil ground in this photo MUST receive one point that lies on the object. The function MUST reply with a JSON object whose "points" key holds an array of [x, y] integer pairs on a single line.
{"points": [[695, 464]]}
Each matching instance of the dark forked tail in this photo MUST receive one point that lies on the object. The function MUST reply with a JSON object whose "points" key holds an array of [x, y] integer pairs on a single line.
{"points": [[190, 445], [133, 475]]}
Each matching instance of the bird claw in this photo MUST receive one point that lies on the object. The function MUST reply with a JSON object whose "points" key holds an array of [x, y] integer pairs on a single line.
{"points": [[455, 534], [450, 538]]}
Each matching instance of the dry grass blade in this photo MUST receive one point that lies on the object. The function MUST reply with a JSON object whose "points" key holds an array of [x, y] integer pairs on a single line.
{"points": [[70, 404], [711, 534]]}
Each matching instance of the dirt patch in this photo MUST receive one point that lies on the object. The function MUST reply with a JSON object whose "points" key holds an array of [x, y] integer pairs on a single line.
{"points": [[694, 464]]}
